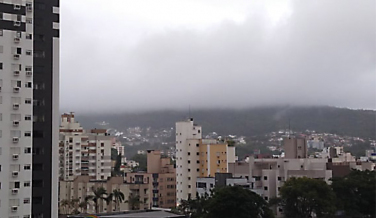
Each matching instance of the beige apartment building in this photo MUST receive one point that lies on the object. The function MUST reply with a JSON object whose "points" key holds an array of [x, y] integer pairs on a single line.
{"points": [[83, 153], [160, 177], [197, 157], [81, 187]]}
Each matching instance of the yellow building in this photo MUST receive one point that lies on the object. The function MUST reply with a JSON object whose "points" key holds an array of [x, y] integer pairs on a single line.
{"points": [[213, 157]]}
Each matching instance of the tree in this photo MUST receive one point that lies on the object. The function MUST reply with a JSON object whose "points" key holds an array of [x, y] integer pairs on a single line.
{"points": [[65, 206], [134, 202], [118, 198], [236, 202], [83, 206], [99, 194], [305, 198], [356, 193], [142, 160], [117, 165], [74, 203]]}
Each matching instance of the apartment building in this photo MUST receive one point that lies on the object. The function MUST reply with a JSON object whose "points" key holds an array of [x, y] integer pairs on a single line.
{"points": [[295, 147], [29, 91], [206, 184], [161, 177], [81, 187], [83, 153], [197, 157]]}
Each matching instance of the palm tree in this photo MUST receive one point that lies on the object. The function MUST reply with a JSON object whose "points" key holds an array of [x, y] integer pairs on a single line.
{"points": [[134, 201], [74, 205], [99, 194], [83, 206], [118, 198], [65, 206]]}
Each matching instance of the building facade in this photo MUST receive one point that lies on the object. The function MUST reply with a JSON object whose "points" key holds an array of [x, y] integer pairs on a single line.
{"points": [[82, 186], [83, 153], [197, 157], [29, 84], [161, 177]]}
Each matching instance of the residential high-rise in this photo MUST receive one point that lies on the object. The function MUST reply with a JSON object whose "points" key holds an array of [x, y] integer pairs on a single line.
{"points": [[295, 147], [161, 177], [29, 84], [83, 153], [197, 157]]}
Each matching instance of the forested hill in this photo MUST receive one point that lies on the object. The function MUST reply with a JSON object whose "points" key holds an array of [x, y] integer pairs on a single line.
{"points": [[249, 122]]}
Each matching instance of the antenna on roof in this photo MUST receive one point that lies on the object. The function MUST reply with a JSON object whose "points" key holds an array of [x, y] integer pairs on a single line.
{"points": [[189, 112], [289, 127]]}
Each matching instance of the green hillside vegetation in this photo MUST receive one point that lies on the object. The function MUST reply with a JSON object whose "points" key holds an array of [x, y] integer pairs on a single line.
{"points": [[250, 122]]}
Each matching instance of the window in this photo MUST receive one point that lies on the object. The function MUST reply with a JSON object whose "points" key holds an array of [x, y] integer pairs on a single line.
{"points": [[29, 20], [27, 167], [1, 66], [27, 150], [198, 153], [29, 85], [265, 178], [29, 36], [27, 184], [16, 184], [265, 188], [39, 54], [266, 198], [19, 51], [28, 117], [189, 153], [198, 170], [198, 161], [279, 178], [27, 201], [28, 52], [27, 101], [189, 161]]}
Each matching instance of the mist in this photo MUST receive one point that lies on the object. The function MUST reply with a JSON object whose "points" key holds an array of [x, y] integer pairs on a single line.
{"points": [[313, 53]]}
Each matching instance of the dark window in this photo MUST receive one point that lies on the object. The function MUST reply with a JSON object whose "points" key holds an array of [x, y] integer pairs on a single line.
{"points": [[189, 153], [38, 200], [17, 185], [1, 66], [19, 50], [38, 167], [27, 150], [189, 161], [201, 185], [279, 178], [39, 54], [38, 134], [265, 187], [198, 169], [197, 145], [198, 161], [198, 153], [265, 178], [37, 183]]}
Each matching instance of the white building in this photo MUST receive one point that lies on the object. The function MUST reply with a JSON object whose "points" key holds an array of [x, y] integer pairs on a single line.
{"points": [[83, 153], [28, 125], [188, 136]]}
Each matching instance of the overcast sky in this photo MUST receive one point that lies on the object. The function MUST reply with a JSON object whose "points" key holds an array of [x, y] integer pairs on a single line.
{"points": [[126, 55]]}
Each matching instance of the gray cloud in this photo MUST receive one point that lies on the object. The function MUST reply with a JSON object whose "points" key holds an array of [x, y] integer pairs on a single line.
{"points": [[324, 53]]}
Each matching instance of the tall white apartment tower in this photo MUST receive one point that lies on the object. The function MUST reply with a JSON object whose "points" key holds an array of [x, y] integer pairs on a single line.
{"points": [[16, 108], [188, 136], [29, 84]]}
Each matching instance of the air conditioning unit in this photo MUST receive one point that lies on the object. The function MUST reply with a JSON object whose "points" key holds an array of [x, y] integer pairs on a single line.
{"points": [[16, 39], [15, 156], [14, 208], [16, 139], [17, 7], [16, 73], [16, 122], [17, 23], [15, 173], [16, 106], [29, 73], [15, 191], [16, 56]]}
